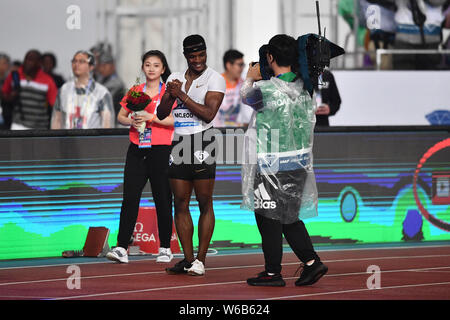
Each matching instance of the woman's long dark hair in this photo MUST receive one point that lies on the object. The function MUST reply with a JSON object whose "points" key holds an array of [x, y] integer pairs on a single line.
{"points": [[162, 57]]}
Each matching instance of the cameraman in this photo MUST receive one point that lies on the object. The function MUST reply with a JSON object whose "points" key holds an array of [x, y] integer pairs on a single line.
{"points": [[281, 183]]}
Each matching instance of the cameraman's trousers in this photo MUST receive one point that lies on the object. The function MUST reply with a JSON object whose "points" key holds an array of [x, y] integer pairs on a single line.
{"points": [[296, 235]]}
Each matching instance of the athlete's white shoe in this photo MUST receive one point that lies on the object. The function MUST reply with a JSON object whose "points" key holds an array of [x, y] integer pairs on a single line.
{"points": [[164, 255], [197, 269], [118, 254]]}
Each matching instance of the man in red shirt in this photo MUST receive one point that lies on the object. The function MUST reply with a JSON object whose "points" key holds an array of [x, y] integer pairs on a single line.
{"points": [[33, 93]]}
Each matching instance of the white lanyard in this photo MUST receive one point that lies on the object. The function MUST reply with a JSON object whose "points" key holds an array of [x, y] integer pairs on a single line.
{"points": [[86, 97]]}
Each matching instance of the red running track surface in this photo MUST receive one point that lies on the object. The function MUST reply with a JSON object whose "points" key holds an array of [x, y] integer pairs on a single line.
{"points": [[407, 273]]}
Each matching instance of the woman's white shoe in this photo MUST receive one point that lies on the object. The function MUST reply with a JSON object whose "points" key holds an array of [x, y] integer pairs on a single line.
{"points": [[164, 255], [118, 254]]}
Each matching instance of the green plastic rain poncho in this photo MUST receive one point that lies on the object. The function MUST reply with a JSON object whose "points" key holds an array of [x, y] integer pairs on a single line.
{"points": [[278, 180]]}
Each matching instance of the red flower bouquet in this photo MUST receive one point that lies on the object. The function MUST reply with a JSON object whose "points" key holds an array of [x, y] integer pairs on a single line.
{"points": [[137, 101]]}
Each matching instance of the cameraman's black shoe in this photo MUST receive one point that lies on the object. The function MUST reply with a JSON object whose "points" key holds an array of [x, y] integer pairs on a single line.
{"points": [[264, 279], [311, 274]]}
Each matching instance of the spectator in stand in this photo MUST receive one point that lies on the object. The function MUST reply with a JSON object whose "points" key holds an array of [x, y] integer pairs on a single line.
{"points": [[16, 65], [49, 63], [446, 44], [232, 112], [110, 79], [32, 92], [5, 66], [83, 103], [328, 98], [382, 27], [418, 27], [378, 17], [97, 50], [447, 15], [5, 108]]}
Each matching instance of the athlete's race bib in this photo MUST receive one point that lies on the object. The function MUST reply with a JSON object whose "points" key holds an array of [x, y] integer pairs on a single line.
{"points": [[184, 118]]}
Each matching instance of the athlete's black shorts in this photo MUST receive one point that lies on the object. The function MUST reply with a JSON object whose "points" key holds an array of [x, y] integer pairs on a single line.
{"points": [[193, 156], [279, 196]]}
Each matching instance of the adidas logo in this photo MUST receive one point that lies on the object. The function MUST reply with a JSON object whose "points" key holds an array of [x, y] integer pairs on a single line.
{"points": [[262, 199]]}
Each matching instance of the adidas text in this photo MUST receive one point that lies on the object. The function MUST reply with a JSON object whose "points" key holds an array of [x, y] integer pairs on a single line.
{"points": [[265, 204]]}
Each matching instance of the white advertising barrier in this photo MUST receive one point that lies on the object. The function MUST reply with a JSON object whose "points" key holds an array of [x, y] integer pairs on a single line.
{"points": [[389, 98]]}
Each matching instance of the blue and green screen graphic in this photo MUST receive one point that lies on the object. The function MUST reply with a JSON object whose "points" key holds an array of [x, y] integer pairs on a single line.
{"points": [[52, 189]]}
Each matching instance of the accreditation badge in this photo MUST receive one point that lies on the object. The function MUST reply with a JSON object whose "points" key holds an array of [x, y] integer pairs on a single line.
{"points": [[145, 138]]}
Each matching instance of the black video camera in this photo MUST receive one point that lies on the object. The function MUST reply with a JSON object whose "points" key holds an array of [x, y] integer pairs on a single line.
{"points": [[318, 57], [315, 53], [266, 72]]}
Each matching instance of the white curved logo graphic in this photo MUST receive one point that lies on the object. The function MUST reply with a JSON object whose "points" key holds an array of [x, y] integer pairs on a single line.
{"points": [[373, 17], [138, 227], [262, 198]]}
